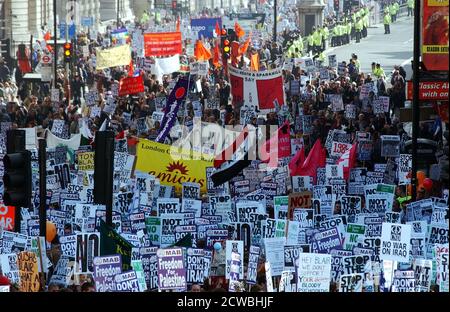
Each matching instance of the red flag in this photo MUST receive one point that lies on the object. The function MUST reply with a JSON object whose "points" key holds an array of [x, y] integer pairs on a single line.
{"points": [[216, 56], [218, 32], [316, 159], [201, 53], [234, 53], [347, 161], [278, 146], [239, 31], [47, 36], [244, 47], [297, 161]]}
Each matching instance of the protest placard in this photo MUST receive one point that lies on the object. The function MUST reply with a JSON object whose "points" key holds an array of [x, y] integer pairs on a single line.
{"points": [[332, 60], [305, 217], [191, 190], [213, 236], [171, 269], [168, 224], [105, 268], [194, 266], [326, 240], [364, 150], [336, 263], [299, 200], [253, 259], [395, 242], [168, 206], [390, 145], [274, 251], [88, 247], [351, 282], [301, 183], [245, 209], [443, 271], [354, 236], [291, 255], [234, 283], [10, 267], [438, 234], [423, 274], [234, 246], [404, 281], [68, 245], [28, 271], [314, 272], [126, 282]]}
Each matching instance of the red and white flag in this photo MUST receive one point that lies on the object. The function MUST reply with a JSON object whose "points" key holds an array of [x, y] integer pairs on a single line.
{"points": [[260, 89], [348, 160]]}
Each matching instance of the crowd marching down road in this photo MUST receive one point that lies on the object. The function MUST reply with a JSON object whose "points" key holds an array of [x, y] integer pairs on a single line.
{"points": [[241, 161]]}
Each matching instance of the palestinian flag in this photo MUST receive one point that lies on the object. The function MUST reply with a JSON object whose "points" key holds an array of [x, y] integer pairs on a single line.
{"points": [[233, 159]]}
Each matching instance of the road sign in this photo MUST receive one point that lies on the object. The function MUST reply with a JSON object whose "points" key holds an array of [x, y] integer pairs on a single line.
{"points": [[46, 60]]}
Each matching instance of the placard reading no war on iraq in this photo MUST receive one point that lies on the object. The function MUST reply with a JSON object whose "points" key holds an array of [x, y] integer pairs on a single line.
{"points": [[395, 242]]}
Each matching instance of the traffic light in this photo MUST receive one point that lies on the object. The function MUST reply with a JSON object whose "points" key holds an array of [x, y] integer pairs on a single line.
{"points": [[67, 52], [174, 4], [225, 41], [17, 179]]}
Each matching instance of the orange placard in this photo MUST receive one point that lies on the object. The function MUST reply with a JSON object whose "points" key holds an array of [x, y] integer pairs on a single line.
{"points": [[7, 217], [162, 44]]}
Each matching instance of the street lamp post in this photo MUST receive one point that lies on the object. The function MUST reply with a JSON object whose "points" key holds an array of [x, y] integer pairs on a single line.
{"points": [[275, 21], [415, 102], [55, 47]]}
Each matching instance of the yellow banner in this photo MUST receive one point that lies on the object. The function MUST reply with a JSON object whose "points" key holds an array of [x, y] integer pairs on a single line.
{"points": [[86, 161], [437, 2], [171, 165], [437, 49], [117, 56]]}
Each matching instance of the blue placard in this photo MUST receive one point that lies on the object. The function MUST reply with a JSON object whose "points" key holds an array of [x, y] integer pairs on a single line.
{"points": [[205, 26]]}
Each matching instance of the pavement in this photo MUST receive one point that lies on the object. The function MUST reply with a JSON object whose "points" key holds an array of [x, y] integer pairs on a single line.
{"points": [[388, 50]]}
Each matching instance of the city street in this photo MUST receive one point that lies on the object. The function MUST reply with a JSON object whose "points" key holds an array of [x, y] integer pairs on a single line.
{"points": [[388, 50]]}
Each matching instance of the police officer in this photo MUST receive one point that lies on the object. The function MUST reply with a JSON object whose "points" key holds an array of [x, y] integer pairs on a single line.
{"points": [[358, 28], [365, 24], [410, 4], [387, 22], [348, 31], [317, 38], [392, 11]]}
